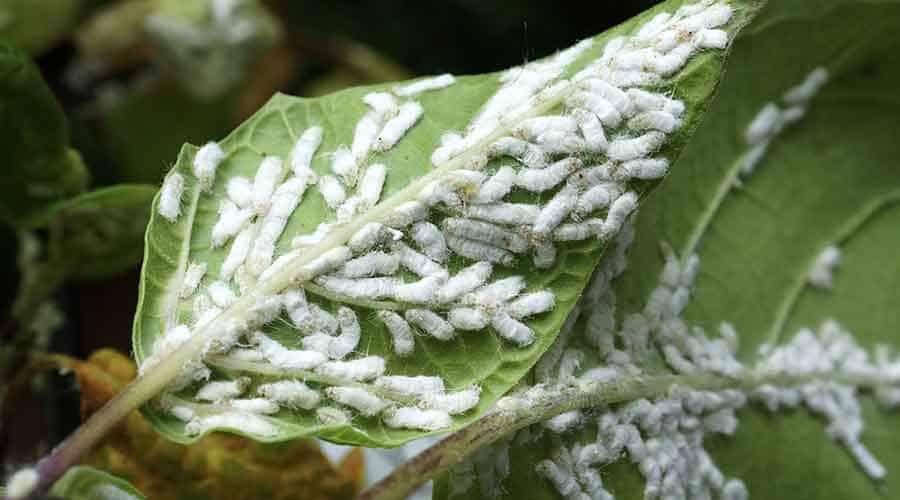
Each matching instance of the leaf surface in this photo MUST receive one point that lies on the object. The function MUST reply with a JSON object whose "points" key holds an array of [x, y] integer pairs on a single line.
{"points": [[87, 483], [484, 360]]}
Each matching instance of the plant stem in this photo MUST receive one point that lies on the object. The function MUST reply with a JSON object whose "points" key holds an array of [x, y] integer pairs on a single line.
{"points": [[516, 413]]}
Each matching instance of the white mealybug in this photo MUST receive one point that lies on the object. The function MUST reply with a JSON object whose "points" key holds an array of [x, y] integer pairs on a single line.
{"points": [[360, 370], [332, 190], [401, 332], [578, 231], [268, 175], [370, 264], [653, 27], [607, 113], [633, 78], [645, 168], [221, 294], [231, 220], [359, 399], [410, 417], [327, 262], [592, 130], [453, 403], [429, 238], [654, 120], [303, 152], [539, 180], [349, 208], [494, 293], [631, 148], [649, 101], [558, 208], [562, 478], [530, 304], [431, 324], [764, 124], [382, 103], [416, 262], [613, 95], [206, 161], [419, 292], [821, 273], [183, 413], [464, 281], [511, 329], [254, 405], [712, 39], [343, 164], [222, 390], [544, 254], [595, 198], [529, 154], [170, 196], [396, 127], [505, 213], [364, 136], [285, 358], [808, 88], [406, 213], [371, 234], [439, 191], [372, 183], [347, 341], [240, 191], [425, 84], [477, 250], [486, 232], [290, 393], [495, 187], [589, 177], [312, 318], [247, 423], [452, 144], [284, 202], [532, 128], [410, 386], [192, 278], [734, 489], [468, 318], [313, 238], [331, 416]]}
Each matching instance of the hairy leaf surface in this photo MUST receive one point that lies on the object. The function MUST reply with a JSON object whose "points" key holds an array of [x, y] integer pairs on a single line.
{"points": [[829, 178], [481, 360]]}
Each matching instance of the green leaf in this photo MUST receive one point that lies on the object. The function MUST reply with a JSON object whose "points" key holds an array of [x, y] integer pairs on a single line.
{"points": [[37, 25], [482, 359], [40, 168], [88, 483], [829, 178]]}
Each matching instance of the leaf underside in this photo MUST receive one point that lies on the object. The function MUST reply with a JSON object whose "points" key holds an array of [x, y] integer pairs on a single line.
{"points": [[828, 179], [472, 358]]}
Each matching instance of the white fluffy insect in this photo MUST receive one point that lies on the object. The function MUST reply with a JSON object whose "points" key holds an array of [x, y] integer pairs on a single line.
{"points": [[360, 370], [372, 183], [382, 103], [589, 177], [765, 124], [608, 115], [344, 166], [416, 262], [734, 489], [231, 221], [431, 324], [453, 403], [505, 213], [531, 155], [364, 136], [331, 416], [247, 423], [578, 231], [530, 304], [612, 94], [205, 163], [712, 39], [592, 130], [332, 190], [240, 191], [479, 251], [358, 398], [821, 272], [322, 230], [595, 198], [401, 332], [170, 196], [485, 232], [631, 148], [285, 358], [221, 294], [496, 186], [222, 390], [290, 393], [327, 262], [351, 206], [396, 127], [654, 120], [268, 175], [419, 385], [644, 168], [192, 278], [540, 180], [563, 479], [340, 346], [421, 291], [494, 293], [464, 281], [254, 405], [370, 235], [406, 213], [532, 128], [650, 101], [411, 417], [803, 92], [425, 84], [512, 329], [633, 78], [430, 240], [558, 208], [468, 318], [285, 200], [370, 264], [304, 150]]}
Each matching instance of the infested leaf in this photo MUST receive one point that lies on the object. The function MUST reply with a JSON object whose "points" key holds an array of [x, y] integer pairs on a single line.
{"points": [[220, 316]]}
